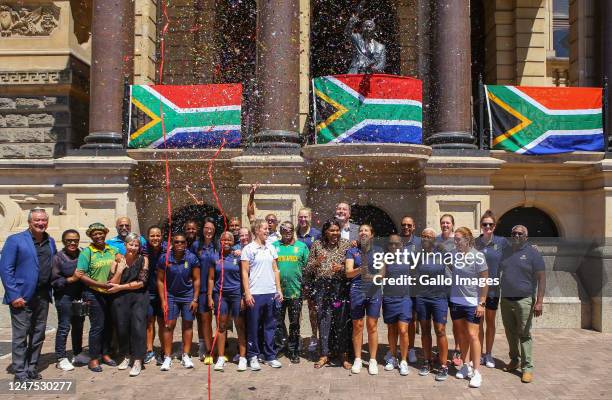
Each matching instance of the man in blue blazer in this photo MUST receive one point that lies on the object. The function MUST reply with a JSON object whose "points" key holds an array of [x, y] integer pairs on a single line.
{"points": [[25, 269]]}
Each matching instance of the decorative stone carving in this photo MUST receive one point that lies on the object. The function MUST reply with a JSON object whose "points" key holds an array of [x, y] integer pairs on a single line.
{"points": [[35, 77], [28, 21]]}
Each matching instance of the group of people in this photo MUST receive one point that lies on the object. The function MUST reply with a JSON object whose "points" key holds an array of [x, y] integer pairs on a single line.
{"points": [[255, 279]]}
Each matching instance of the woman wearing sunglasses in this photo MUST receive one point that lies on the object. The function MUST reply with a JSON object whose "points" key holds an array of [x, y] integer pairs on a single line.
{"points": [[492, 246], [178, 283]]}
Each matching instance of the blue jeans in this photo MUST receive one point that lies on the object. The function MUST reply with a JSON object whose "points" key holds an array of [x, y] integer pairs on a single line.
{"points": [[65, 320], [101, 330]]}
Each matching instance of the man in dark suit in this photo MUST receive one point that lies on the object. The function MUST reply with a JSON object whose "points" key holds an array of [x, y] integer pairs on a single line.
{"points": [[25, 269], [349, 231]]}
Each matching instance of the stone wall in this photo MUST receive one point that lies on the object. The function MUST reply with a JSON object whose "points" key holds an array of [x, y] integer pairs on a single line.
{"points": [[40, 126]]}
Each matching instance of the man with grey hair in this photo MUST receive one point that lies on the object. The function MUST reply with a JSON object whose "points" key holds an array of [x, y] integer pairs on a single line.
{"points": [[522, 275], [349, 230], [25, 270]]}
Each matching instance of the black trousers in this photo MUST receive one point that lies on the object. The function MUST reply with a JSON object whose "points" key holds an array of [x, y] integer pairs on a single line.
{"points": [[333, 315], [130, 315], [293, 307], [28, 326]]}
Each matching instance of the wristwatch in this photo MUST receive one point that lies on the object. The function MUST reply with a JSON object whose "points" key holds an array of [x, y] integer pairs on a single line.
{"points": [[484, 303]]}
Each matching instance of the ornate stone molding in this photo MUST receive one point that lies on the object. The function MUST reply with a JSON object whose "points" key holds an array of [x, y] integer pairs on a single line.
{"points": [[35, 77], [28, 20]]}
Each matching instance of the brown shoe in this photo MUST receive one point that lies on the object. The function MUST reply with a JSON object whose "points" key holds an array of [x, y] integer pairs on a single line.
{"points": [[511, 366], [527, 377]]}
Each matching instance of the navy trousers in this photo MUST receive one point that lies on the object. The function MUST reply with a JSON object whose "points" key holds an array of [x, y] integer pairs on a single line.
{"points": [[262, 313]]}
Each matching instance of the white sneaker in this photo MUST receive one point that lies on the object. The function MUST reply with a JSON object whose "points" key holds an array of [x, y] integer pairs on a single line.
{"points": [[391, 364], [357, 364], [255, 364], [136, 368], [242, 363], [464, 372], [186, 361], [373, 367], [166, 364], [274, 363], [403, 367], [124, 364], [489, 361], [312, 346], [476, 380], [220, 364], [64, 364], [412, 357]]}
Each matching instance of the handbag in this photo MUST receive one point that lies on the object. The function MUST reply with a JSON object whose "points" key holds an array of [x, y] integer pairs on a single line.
{"points": [[79, 308]]}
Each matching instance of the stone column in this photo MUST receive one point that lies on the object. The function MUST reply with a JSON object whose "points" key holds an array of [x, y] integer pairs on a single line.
{"points": [[112, 39], [451, 86], [277, 74], [606, 21]]}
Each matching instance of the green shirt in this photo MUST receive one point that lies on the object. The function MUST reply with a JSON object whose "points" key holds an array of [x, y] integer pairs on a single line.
{"points": [[291, 261], [96, 263]]}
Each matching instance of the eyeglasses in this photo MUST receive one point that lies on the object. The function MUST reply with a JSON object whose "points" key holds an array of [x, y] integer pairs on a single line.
{"points": [[76, 241], [517, 233], [487, 224], [180, 241], [407, 225], [270, 221], [123, 225]]}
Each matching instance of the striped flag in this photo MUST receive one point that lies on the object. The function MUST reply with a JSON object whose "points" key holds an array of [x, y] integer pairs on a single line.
{"points": [[545, 120], [368, 108], [197, 116]]}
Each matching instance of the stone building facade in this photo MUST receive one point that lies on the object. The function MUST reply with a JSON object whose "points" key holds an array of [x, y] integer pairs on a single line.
{"points": [[63, 66]]}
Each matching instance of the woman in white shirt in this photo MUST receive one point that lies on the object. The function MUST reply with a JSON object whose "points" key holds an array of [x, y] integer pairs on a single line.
{"points": [[262, 292]]}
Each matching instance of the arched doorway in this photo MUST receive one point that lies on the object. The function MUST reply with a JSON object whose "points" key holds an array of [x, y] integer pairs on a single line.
{"points": [[537, 222], [381, 221], [197, 213]]}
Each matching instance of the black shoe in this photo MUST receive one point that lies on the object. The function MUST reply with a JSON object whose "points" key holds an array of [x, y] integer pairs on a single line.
{"points": [[34, 376], [110, 362], [20, 379], [97, 368], [295, 359]]}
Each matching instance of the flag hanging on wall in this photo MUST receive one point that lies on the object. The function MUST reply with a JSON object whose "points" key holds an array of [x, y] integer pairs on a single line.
{"points": [[545, 120], [195, 116], [368, 108]]}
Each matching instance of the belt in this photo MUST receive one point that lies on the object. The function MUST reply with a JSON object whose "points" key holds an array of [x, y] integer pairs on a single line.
{"points": [[515, 298]]}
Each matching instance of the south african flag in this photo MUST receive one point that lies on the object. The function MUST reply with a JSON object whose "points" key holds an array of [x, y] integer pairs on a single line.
{"points": [[195, 116], [545, 120], [368, 108]]}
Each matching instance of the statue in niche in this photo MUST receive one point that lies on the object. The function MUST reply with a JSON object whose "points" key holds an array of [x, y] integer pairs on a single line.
{"points": [[369, 55]]}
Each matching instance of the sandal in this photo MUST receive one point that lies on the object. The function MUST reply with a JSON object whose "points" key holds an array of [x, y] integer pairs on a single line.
{"points": [[321, 363], [345, 362]]}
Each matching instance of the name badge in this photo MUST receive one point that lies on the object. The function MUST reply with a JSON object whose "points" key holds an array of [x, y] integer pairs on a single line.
{"points": [[186, 264], [295, 250]]}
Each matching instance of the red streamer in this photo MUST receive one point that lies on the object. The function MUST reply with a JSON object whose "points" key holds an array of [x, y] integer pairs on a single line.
{"points": [[167, 162]]}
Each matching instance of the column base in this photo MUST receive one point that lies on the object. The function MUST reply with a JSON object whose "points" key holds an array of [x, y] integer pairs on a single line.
{"points": [[277, 138], [103, 140], [451, 140]]}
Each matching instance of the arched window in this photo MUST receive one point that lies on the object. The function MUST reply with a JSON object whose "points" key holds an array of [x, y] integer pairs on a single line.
{"points": [[381, 222], [537, 222]]}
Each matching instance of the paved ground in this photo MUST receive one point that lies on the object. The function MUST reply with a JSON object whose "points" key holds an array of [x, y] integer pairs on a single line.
{"points": [[570, 364]]}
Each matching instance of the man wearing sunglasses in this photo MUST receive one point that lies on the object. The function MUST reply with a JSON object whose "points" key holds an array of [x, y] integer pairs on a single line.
{"points": [[124, 228], [523, 284]]}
